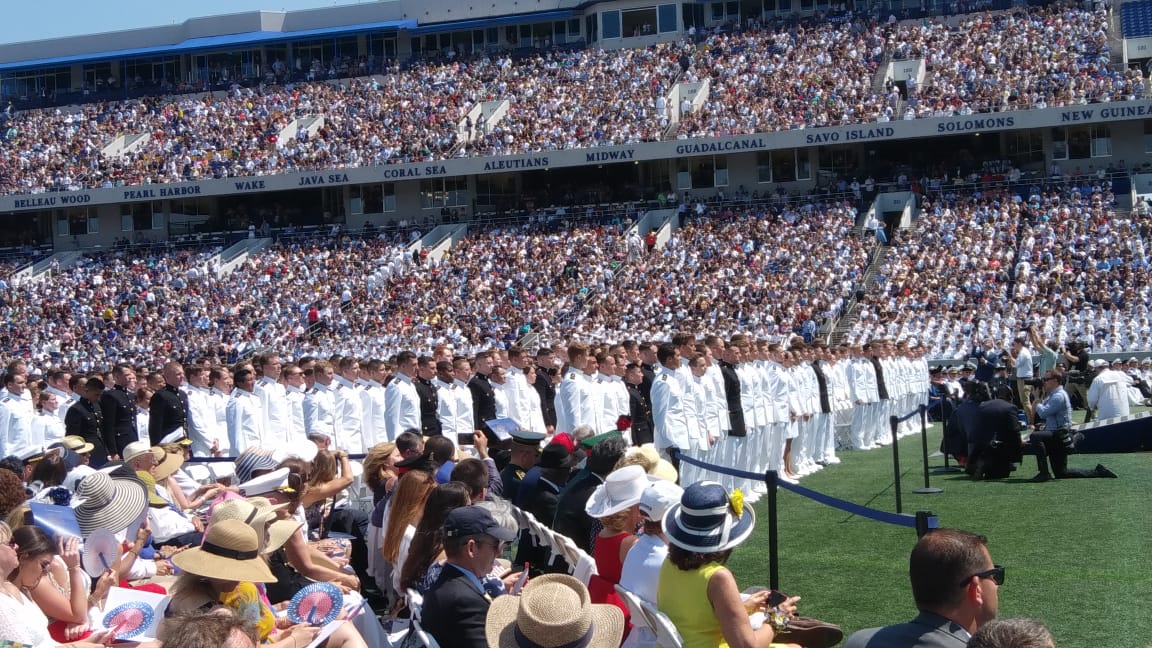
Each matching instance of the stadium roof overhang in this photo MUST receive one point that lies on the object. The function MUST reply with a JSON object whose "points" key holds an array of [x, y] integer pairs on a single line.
{"points": [[208, 43], [482, 23]]}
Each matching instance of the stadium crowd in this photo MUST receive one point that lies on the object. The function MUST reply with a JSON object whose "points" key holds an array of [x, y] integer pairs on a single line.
{"points": [[985, 265], [763, 78]]}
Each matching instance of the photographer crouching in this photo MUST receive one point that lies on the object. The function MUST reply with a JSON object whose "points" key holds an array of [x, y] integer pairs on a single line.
{"points": [[1053, 441]]}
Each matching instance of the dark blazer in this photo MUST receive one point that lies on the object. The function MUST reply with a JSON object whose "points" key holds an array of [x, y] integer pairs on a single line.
{"points": [[547, 392], [571, 520], [925, 631], [84, 419], [732, 399], [429, 404], [539, 499], [119, 412], [483, 405], [881, 388], [822, 385], [167, 411], [640, 409], [454, 611]]}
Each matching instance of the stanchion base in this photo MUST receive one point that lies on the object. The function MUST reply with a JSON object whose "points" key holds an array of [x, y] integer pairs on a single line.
{"points": [[946, 470], [928, 491]]}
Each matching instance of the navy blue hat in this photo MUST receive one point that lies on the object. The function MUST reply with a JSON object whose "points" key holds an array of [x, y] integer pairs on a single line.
{"points": [[705, 520], [475, 520], [527, 438]]}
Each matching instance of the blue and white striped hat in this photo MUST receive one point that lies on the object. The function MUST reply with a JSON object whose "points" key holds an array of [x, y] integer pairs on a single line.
{"points": [[705, 522]]}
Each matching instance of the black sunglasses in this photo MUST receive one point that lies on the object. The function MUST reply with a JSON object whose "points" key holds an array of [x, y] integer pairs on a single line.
{"points": [[996, 574]]}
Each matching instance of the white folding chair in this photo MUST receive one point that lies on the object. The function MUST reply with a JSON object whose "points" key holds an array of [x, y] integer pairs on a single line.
{"points": [[199, 472], [666, 632], [643, 633]]}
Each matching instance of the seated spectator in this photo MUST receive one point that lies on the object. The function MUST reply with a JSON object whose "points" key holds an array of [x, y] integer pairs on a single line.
{"points": [[216, 629], [572, 519], [21, 620], [641, 572], [1012, 633], [696, 591], [422, 564], [50, 574], [404, 513], [615, 504], [955, 587], [553, 611], [456, 607]]}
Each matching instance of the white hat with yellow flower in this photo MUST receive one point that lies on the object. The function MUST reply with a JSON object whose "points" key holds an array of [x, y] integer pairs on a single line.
{"points": [[708, 519]]}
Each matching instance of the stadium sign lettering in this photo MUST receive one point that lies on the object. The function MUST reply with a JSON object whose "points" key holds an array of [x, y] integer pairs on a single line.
{"points": [[1127, 111], [966, 125], [160, 192], [610, 156], [851, 135], [331, 178], [250, 185], [39, 201], [721, 147], [517, 163]]}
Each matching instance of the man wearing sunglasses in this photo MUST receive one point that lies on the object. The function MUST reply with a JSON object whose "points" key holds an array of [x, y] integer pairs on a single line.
{"points": [[1052, 440], [956, 588]]}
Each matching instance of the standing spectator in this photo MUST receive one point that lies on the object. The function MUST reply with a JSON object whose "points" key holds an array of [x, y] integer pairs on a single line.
{"points": [[402, 401], [1021, 359], [119, 410], [168, 408]]}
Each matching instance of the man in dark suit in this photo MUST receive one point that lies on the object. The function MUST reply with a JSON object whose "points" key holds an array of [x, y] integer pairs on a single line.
{"points": [[571, 520], [639, 405], [546, 381], [730, 356], [956, 588], [429, 401], [483, 397], [456, 607], [118, 406], [168, 409], [84, 419], [539, 497], [648, 362]]}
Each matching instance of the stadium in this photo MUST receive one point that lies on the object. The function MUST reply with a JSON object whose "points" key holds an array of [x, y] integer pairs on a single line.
{"points": [[362, 181]]}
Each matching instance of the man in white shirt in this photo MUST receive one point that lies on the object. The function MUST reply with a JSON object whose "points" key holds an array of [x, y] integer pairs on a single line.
{"points": [[273, 398], [516, 387], [669, 416], [245, 414], [455, 401], [401, 399], [1021, 359], [292, 378], [58, 383], [15, 418], [220, 394], [574, 398], [372, 403], [613, 393], [320, 402], [202, 425], [349, 408], [1108, 393]]}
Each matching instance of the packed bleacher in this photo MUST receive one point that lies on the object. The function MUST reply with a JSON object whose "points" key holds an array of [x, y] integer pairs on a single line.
{"points": [[986, 264], [763, 78]]}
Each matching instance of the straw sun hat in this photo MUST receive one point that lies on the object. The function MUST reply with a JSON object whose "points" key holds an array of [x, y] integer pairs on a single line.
{"points": [[108, 503], [231, 552], [553, 610]]}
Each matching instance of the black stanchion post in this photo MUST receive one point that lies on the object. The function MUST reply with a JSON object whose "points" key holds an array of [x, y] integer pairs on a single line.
{"points": [[946, 468], [927, 489], [770, 478], [922, 523], [894, 422]]}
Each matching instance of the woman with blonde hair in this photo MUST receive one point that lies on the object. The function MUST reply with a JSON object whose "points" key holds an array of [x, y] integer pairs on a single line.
{"points": [[380, 470], [404, 513]]}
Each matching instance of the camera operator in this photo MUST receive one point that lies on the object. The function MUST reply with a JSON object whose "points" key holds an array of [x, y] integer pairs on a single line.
{"points": [[990, 429], [1047, 350], [1021, 359], [1052, 441], [1078, 376]]}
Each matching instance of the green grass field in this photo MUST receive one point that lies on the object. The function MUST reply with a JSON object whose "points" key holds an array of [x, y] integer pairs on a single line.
{"points": [[1076, 551]]}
